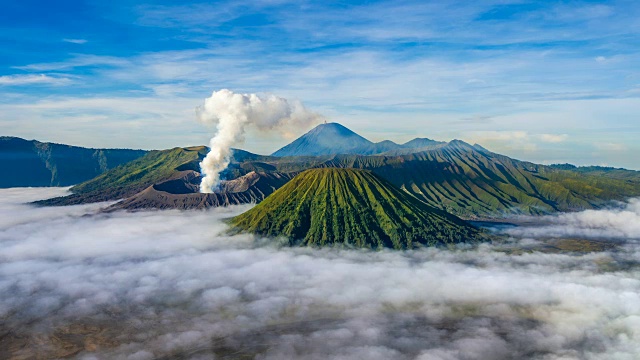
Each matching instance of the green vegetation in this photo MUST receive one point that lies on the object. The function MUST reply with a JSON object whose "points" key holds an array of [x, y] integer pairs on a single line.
{"points": [[132, 177], [143, 172], [472, 182], [352, 208], [468, 181], [606, 171]]}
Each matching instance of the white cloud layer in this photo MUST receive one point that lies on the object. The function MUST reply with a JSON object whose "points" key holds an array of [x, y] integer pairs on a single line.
{"points": [[616, 223], [169, 283]]}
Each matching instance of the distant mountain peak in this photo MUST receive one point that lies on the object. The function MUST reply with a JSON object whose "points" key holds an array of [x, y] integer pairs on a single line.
{"points": [[335, 129], [459, 144], [333, 126], [334, 139], [327, 139]]}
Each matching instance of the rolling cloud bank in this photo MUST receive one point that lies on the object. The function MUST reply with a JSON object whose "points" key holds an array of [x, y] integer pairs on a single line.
{"points": [[171, 284]]}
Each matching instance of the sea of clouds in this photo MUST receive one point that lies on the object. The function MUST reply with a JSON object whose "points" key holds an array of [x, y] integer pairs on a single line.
{"points": [[171, 284]]}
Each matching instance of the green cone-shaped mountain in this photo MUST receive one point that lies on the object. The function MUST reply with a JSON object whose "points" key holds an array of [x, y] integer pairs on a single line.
{"points": [[351, 207]]}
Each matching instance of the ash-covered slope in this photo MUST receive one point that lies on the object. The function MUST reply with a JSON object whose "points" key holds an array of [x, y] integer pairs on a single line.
{"points": [[34, 163], [181, 192], [352, 208]]}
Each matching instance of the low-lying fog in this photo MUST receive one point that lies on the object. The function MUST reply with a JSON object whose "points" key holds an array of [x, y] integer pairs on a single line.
{"points": [[168, 284]]}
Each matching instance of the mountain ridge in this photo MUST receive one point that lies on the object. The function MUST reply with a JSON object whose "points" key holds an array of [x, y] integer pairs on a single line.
{"points": [[52, 164], [463, 179], [353, 208], [334, 139]]}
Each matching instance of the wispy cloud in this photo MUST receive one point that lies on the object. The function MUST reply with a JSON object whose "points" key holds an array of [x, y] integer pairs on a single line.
{"points": [[76, 61], [190, 16], [510, 140], [553, 138], [99, 120], [610, 146], [33, 79], [518, 140], [75, 41]]}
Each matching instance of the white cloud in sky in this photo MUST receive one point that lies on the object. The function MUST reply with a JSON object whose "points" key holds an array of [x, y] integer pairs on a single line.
{"points": [[77, 61], [512, 142], [503, 139], [610, 146], [75, 41], [98, 122], [33, 79], [487, 136], [553, 138]]}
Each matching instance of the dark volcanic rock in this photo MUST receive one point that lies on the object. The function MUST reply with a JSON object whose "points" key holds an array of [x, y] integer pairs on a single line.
{"points": [[182, 192]]}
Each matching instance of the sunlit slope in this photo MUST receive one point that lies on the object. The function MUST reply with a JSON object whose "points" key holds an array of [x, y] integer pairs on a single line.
{"points": [[465, 180], [470, 181], [354, 208], [616, 173], [132, 177]]}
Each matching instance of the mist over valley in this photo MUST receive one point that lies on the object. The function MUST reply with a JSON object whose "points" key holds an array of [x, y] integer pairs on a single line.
{"points": [[171, 284]]}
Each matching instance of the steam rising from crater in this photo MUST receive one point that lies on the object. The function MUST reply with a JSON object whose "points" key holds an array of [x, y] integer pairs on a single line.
{"points": [[232, 113]]}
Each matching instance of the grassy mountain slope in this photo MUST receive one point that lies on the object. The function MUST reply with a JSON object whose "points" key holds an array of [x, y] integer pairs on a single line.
{"points": [[33, 163], [465, 180], [168, 179], [472, 182], [469, 181], [354, 208], [606, 171], [132, 177], [153, 167]]}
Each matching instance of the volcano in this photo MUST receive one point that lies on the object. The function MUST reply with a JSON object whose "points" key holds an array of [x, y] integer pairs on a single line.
{"points": [[333, 138], [354, 208]]}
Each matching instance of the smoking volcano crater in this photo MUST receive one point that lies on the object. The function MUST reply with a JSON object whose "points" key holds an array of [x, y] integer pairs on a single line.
{"points": [[182, 192]]}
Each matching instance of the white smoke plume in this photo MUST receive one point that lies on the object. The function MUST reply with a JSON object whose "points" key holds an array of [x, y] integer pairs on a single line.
{"points": [[232, 113], [170, 285]]}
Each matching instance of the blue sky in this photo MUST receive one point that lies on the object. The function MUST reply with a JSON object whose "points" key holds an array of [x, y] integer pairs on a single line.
{"points": [[546, 81]]}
